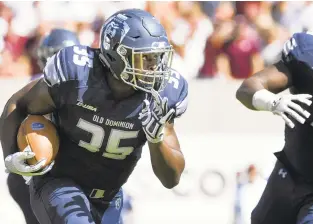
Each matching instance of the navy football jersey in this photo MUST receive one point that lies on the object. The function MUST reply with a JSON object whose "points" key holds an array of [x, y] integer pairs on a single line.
{"points": [[101, 139], [297, 55]]}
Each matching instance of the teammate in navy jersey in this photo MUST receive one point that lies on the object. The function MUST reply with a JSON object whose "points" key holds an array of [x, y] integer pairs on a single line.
{"points": [[57, 39], [109, 102], [51, 44], [288, 197]]}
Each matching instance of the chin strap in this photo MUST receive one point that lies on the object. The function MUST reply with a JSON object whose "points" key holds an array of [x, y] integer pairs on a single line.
{"points": [[105, 63]]}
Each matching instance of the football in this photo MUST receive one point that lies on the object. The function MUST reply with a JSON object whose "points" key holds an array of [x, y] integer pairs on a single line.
{"points": [[41, 136]]}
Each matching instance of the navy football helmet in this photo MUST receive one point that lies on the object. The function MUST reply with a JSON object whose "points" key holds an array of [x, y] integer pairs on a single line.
{"points": [[53, 42], [135, 47]]}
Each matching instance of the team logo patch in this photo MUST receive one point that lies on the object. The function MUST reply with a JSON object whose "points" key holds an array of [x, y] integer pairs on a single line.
{"points": [[37, 126]]}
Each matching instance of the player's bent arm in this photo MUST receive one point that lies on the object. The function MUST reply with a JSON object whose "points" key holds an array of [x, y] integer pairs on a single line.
{"points": [[34, 98], [167, 160], [259, 90]]}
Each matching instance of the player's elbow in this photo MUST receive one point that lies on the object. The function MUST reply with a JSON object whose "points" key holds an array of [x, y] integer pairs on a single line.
{"points": [[171, 184], [240, 93], [8, 108], [169, 179]]}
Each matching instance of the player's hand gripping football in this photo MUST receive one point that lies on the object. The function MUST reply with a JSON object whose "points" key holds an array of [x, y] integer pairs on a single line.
{"points": [[287, 105], [16, 163], [153, 120]]}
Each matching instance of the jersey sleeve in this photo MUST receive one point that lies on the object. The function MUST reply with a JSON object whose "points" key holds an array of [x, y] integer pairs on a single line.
{"points": [[53, 78], [297, 55], [53, 73], [67, 69], [177, 93]]}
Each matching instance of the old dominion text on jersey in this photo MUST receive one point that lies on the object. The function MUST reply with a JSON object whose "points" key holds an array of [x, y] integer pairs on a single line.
{"points": [[101, 138]]}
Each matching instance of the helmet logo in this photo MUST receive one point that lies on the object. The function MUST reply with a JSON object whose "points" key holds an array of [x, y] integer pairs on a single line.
{"points": [[114, 31], [106, 43], [111, 29], [109, 33]]}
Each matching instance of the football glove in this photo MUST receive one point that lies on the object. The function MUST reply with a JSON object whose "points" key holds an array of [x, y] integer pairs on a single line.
{"points": [[153, 120], [283, 105], [16, 163]]}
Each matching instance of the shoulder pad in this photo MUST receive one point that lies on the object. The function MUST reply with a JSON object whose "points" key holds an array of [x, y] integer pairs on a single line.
{"points": [[176, 91], [299, 47], [70, 63]]}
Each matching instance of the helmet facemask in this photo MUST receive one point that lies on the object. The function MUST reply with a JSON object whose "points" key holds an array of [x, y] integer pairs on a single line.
{"points": [[146, 68]]}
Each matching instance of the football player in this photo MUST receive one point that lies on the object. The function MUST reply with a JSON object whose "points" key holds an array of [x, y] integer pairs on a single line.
{"points": [[57, 39], [109, 102], [288, 196], [51, 44]]}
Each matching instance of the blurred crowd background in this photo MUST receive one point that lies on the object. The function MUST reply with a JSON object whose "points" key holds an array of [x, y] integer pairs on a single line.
{"points": [[212, 41]]}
